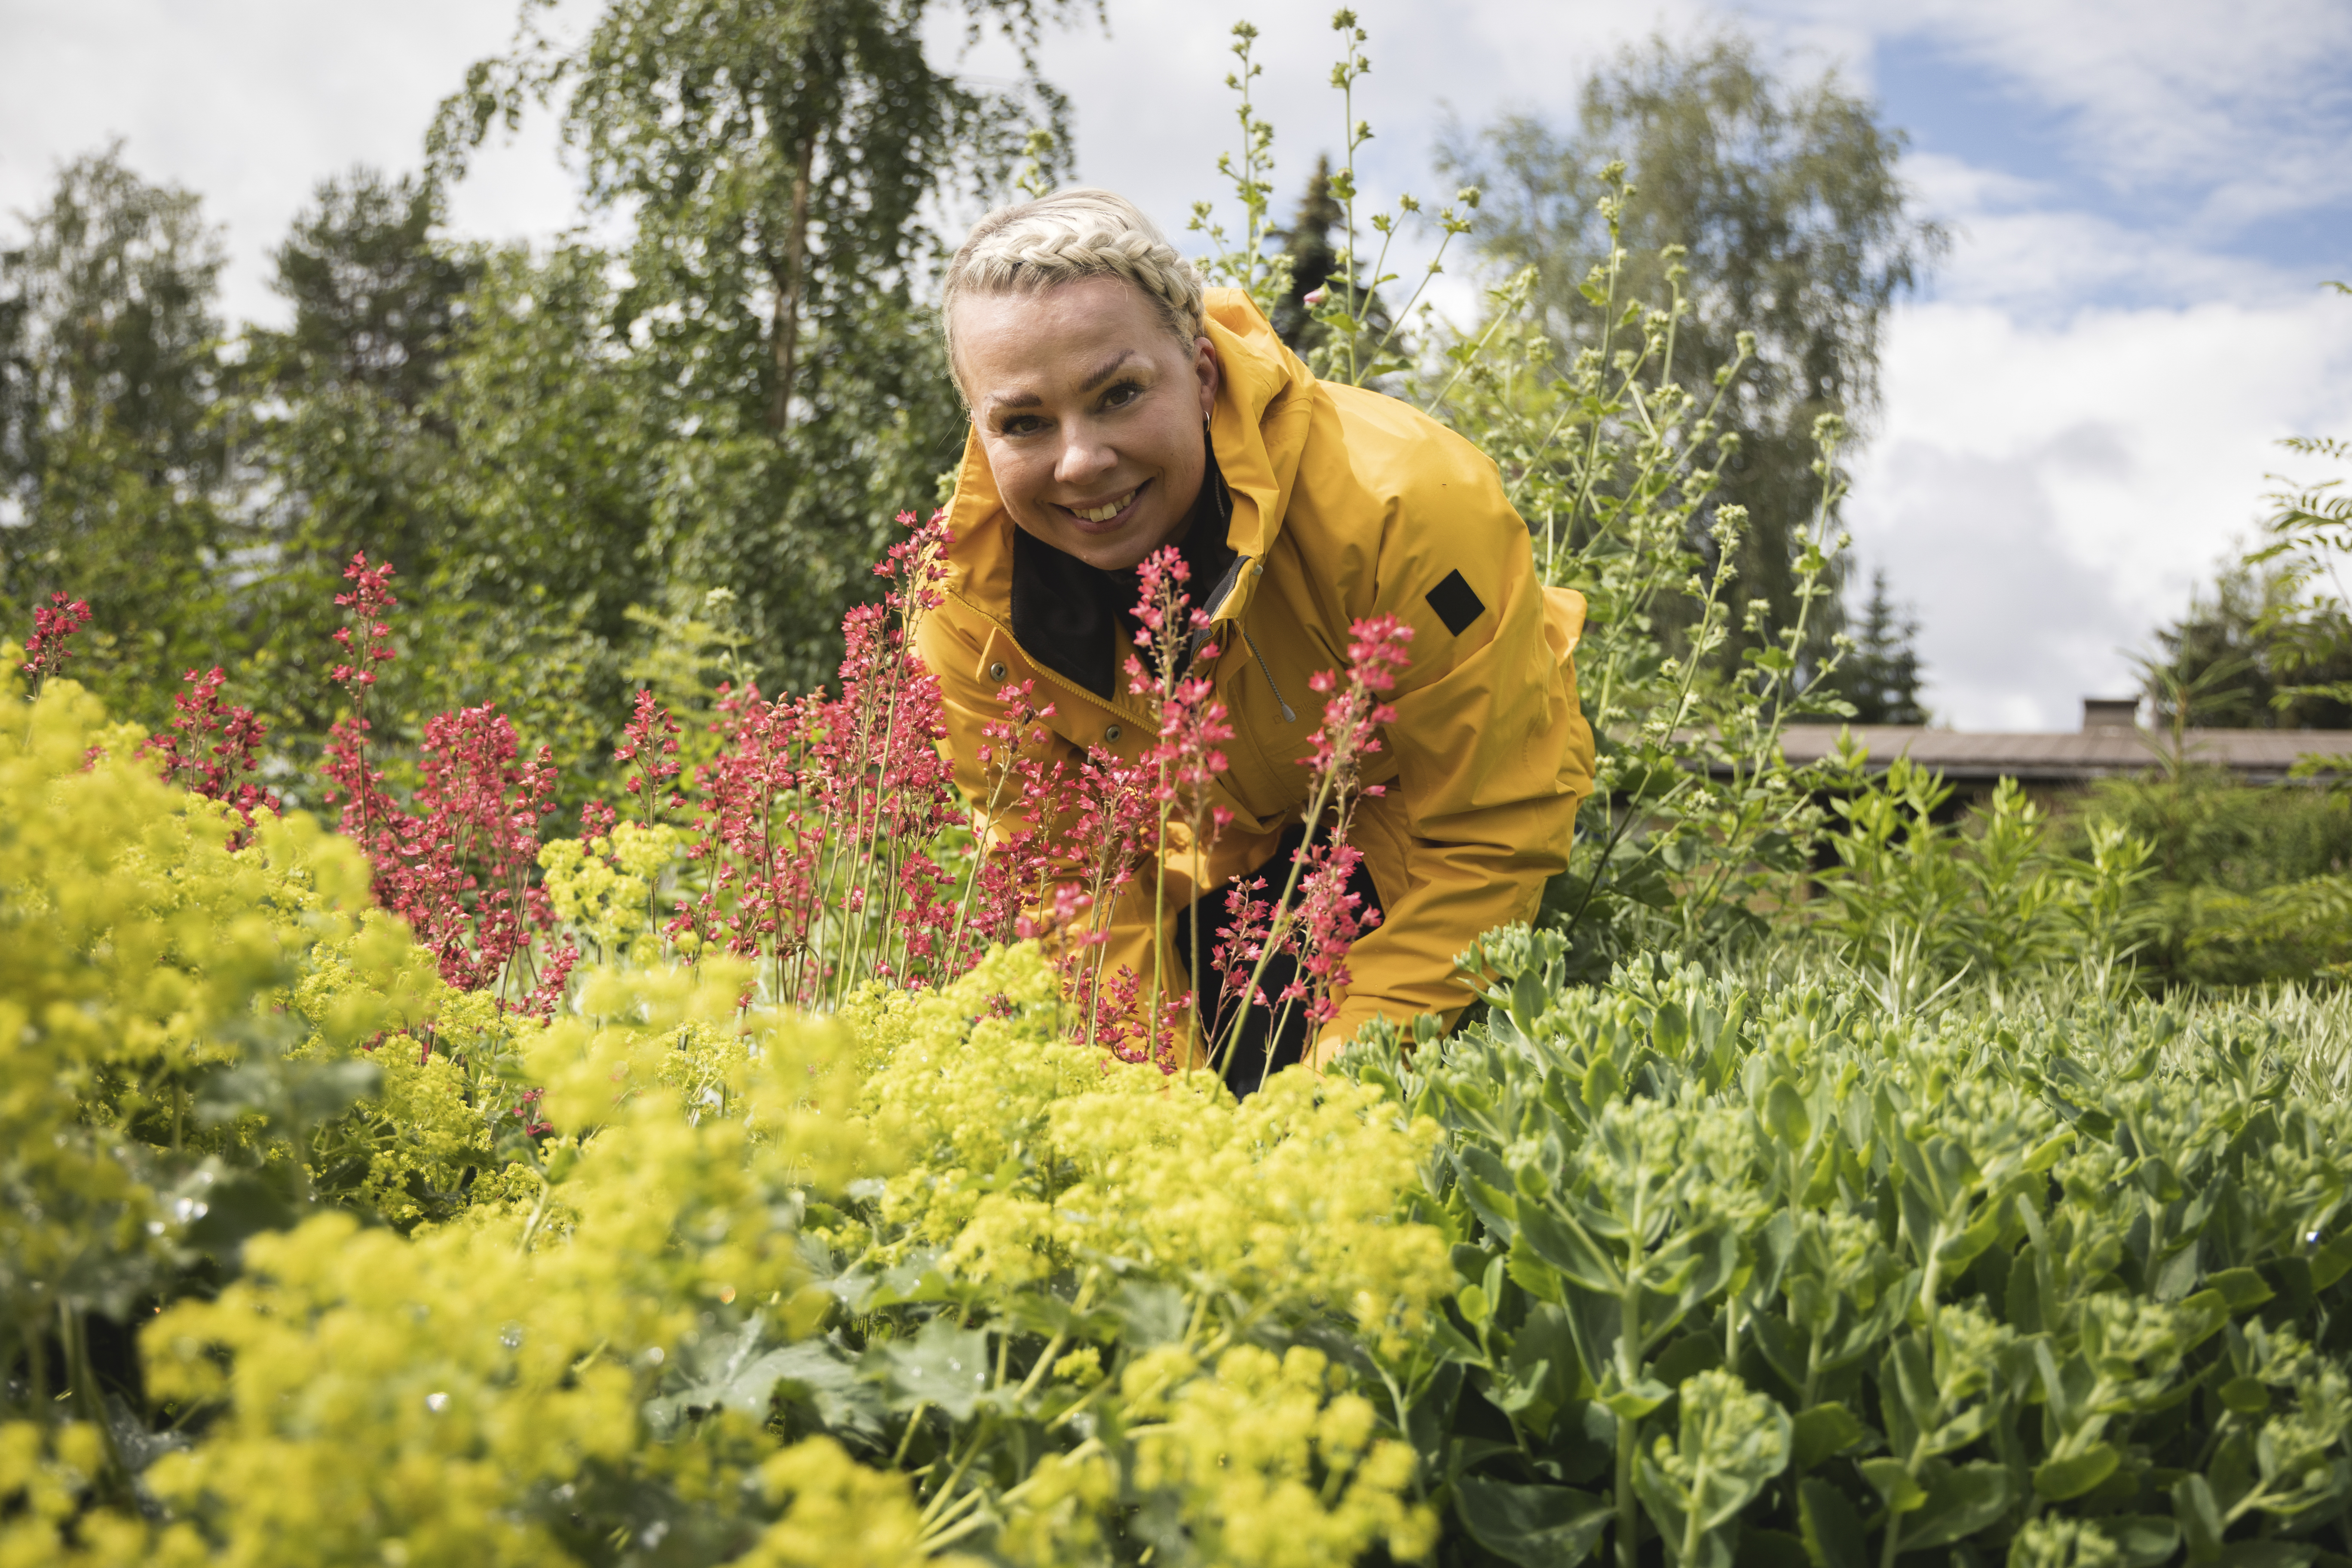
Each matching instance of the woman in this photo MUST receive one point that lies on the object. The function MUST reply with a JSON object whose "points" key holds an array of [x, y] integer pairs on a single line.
{"points": [[1116, 408]]}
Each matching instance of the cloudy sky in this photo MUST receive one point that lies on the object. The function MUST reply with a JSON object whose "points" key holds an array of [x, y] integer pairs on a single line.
{"points": [[2080, 409]]}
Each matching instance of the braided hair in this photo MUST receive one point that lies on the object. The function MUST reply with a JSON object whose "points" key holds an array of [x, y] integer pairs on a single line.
{"points": [[1084, 232]]}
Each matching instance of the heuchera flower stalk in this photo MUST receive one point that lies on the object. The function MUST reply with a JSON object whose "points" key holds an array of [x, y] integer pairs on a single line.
{"points": [[1315, 918], [827, 836], [210, 751], [47, 650], [457, 863]]}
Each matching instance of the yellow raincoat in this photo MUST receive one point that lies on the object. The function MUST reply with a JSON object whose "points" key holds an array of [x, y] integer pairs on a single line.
{"points": [[1345, 504]]}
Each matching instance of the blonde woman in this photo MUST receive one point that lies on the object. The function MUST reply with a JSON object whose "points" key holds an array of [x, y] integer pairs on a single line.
{"points": [[1118, 408]]}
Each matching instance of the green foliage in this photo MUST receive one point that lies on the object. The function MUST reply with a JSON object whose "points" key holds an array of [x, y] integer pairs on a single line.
{"points": [[1695, 820], [1915, 905], [2311, 533], [2250, 884], [1789, 214], [319, 1286], [1695, 824], [2229, 657], [112, 461], [1766, 1272], [340, 424], [778, 162]]}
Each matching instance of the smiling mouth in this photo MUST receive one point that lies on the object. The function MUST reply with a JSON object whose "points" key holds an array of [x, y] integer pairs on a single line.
{"points": [[1108, 510]]}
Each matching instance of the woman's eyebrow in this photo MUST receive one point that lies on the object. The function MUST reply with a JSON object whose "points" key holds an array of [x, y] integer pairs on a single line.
{"points": [[1095, 378], [1109, 368]]}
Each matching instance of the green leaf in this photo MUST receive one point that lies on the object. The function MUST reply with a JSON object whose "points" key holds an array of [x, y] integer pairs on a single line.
{"points": [[231, 1211], [1631, 1404], [2146, 1541], [1833, 1532], [1528, 999], [2331, 1262], [1567, 1250], [1825, 1430], [1786, 1117], [1892, 1480], [1769, 1549], [1537, 1527], [735, 1373], [2199, 1517], [941, 1365], [1961, 1250], [1686, 1357], [2242, 1288], [2246, 1396], [1670, 1031], [1452, 1344], [1602, 1083], [1152, 1314], [1960, 1502], [1534, 1276], [2061, 1480]]}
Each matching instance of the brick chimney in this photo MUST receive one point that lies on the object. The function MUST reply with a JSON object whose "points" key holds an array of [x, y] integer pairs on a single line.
{"points": [[2108, 713]]}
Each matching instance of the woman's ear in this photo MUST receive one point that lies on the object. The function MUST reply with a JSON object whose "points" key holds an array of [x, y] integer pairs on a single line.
{"points": [[1204, 365]]}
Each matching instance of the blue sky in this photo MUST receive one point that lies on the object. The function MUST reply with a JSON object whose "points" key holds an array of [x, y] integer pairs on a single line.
{"points": [[2080, 409]]}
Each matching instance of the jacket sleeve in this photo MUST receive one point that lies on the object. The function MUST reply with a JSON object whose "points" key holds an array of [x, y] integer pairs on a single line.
{"points": [[1491, 749]]}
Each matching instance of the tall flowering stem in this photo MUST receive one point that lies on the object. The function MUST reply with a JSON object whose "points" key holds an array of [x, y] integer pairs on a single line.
{"points": [[364, 637], [466, 850], [457, 862], [1315, 918], [1174, 634], [649, 742], [818, 820], [51, 646], [210, 751], [1013, 865]]}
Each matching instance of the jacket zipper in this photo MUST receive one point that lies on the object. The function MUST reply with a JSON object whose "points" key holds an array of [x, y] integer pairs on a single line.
{"points": [[1288, 716]]}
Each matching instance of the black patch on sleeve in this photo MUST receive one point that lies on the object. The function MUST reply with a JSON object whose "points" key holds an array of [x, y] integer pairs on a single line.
{"points": [[1455, 604]]}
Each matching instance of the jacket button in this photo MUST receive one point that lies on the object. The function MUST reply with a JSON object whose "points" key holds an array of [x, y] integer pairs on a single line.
{"points": [[1111, 735], [996, 672]]}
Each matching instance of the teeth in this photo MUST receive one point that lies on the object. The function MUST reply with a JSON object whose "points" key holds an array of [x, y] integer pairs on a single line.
{"points": [[1108, 510]]}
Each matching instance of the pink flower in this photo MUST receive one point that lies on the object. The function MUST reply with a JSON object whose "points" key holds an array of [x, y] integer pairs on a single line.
{"points": [[209, 749], [49, 648]]}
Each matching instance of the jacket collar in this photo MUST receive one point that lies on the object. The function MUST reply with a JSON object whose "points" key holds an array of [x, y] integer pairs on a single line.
{"points": [[1076, 618]]}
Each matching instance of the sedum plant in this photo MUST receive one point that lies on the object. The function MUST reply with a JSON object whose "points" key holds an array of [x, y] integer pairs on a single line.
{"points": [[1764, 1272]]}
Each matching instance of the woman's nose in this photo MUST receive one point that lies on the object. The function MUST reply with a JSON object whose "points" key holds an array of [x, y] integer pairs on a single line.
{"points": [[1085, 456]]}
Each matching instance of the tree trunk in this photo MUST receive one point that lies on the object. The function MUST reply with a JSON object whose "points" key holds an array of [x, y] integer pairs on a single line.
{"points": [[790, 285]]}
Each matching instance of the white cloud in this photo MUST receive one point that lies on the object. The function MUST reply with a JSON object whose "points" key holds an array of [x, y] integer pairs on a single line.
{"points": [[2047, 496], [251, 102], [2018, 248]]}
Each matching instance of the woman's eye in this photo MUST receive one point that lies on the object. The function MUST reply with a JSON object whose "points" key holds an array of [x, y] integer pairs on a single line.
{"points": [[1126, 392], [1021, 424]]}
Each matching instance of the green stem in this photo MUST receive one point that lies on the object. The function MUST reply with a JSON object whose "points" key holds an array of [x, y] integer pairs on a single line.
{"points": [[907, 1439], [1629, 1350]]}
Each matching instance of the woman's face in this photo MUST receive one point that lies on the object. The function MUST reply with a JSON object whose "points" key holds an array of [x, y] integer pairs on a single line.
{"points": [[1089, 411]]}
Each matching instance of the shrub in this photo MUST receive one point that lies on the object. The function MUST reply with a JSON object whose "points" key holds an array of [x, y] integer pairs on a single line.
{"points": [[2250, 884], [658, 1277], [1763, 1273]]}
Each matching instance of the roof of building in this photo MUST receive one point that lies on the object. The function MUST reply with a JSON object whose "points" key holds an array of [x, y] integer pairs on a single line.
{"points": [[2260, 756]]}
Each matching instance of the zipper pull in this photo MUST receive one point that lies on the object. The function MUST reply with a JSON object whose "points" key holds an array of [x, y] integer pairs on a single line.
{"points": [[1288, 716]]}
